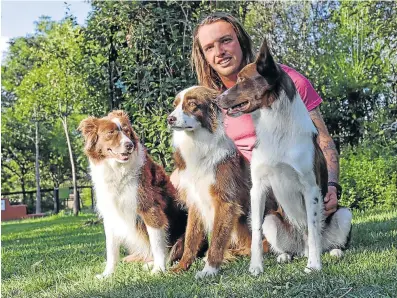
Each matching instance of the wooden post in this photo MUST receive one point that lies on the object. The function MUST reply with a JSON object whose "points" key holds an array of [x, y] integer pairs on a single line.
{"points": [[31, 197], [92, 198], [56, 200], [80, 204]]}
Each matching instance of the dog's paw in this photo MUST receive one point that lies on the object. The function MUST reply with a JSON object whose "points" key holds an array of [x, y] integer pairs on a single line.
{"points": [[157, 269], [256, 269], [148, 266], [284, 258], [178, 268], [208, 271], [131, 258], [312, 269], [138, 259], [336, 252], [104, 275]]}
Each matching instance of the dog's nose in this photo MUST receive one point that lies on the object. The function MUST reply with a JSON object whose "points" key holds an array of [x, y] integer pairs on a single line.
{"points": [[171, 120], [129, 146]]}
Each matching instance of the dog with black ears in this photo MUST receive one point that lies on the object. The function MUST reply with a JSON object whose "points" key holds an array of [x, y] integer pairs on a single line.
{"points": [[287, 160]]}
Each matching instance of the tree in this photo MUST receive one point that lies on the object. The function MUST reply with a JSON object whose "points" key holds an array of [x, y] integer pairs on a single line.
{"points": [[61, 84], [141, 51], [52, 87], [17, 154]]}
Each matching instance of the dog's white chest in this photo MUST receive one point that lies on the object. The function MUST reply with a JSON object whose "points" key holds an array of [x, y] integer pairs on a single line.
{"points": [[285, 136], [117, 193], [202, 154], [117, 203], [284, 155], [197, 187]]}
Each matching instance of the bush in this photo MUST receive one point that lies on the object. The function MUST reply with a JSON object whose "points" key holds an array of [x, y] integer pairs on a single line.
{"points": [[85, 197], [369, 176]]}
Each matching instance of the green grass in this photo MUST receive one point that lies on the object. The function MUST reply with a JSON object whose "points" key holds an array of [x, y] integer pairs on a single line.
{"points": [[59, 256]]}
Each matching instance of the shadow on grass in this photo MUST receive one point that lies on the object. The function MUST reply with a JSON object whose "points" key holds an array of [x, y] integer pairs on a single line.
{"points": [[281, 281], [53, 237], [30, 224], [374, 235], [23, 245], [277, 282], [74, 245]]}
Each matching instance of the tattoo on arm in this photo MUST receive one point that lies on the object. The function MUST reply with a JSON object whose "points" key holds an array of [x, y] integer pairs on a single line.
{"points": [[327, 145]]}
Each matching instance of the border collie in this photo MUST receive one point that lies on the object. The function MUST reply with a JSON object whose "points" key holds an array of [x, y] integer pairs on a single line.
{"points": [[288, 160], [214, 181], [134, 195]]}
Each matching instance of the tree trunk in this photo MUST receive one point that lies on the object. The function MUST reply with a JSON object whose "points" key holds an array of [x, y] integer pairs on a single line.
{"points": [[38, 189], [76, 205]]}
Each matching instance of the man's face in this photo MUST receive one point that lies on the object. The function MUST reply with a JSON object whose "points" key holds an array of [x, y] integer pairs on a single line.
{"points": [[221, 49]]}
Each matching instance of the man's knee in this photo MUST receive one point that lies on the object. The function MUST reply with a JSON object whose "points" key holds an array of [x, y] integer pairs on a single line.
{"points": [[343, 216]]}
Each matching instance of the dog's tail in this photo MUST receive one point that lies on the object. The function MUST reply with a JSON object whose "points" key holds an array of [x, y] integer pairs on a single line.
{"points": [[176, 250]]}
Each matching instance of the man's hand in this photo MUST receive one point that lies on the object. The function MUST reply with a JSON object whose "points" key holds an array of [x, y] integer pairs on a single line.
{"points": [[330, 201]]}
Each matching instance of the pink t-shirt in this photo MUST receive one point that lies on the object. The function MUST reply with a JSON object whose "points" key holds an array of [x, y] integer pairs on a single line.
{"points": [[241, 129]]}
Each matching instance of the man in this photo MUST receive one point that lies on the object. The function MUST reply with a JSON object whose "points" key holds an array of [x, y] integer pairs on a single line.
{"points": [[221, 48]]}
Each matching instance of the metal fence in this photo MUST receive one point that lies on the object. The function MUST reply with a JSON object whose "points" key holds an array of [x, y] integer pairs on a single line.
{"points": [[50, 200]]}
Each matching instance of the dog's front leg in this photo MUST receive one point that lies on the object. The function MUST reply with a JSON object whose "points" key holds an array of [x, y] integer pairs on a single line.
{"points": [[156, 222], [193, 240], [112, 252], [225, 216], [158, 246], [258, 194], [314, 209]]}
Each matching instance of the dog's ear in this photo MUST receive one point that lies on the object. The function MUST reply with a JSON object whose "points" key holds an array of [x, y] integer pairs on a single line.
{"points": [[89, 130], [118, 114], [265, 64], [213, 94]]}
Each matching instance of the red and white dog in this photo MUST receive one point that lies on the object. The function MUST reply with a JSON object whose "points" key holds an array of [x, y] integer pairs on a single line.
{"points": [[288, 160], [214, 181], [134, 195]]}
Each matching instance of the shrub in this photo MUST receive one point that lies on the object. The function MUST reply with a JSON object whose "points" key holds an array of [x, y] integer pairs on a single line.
{"points": [[369, 176], [85, 197]]}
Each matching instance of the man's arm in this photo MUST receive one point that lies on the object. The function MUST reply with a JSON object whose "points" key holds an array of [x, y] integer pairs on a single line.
{"points": [[328, 147]]}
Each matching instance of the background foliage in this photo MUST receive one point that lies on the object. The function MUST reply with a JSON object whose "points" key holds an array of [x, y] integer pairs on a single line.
{"points": [[135, 56]]}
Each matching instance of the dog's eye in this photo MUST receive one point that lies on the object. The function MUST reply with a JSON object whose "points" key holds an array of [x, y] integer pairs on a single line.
{"points": [[192, 104], [110, 132]]}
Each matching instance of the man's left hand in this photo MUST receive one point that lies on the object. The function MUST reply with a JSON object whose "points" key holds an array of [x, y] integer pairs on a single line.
{"points": [[330, 201]]}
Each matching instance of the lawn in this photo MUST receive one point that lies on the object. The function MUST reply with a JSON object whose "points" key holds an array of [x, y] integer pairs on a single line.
{"points": [[58, 256]]}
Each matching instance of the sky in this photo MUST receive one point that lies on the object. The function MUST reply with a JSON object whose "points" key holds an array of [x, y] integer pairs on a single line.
{"points": [[18, 17]]}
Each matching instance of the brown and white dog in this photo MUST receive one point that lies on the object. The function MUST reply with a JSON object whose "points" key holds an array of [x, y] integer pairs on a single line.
{"points": [[288, 160], [134, 195], [214, 180]]}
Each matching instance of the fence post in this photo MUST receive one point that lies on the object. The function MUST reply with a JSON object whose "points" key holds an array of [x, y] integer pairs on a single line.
{"points": [[33, 201], [56, 200], [92, 198]]}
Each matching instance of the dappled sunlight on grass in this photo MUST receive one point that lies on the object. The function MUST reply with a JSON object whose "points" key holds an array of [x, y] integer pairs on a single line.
{"points": [[374, 216], [59, 257]]}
